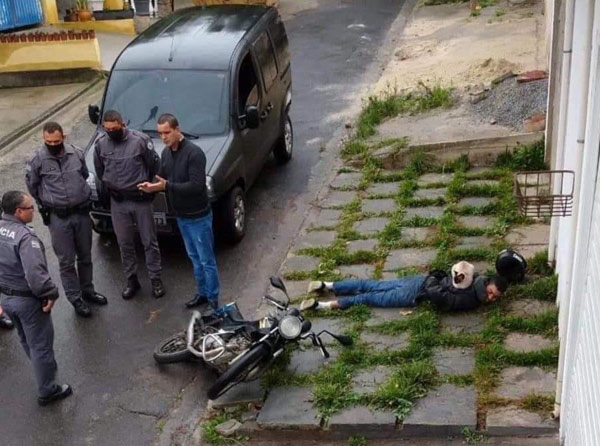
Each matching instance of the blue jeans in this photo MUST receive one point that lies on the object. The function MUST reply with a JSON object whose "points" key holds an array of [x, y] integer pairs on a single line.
{"points": [[376, 293], [199, 243]]}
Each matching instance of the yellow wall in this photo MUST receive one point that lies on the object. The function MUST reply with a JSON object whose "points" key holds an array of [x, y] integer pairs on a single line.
{"points": [[38, 56], [50, 12], [113, 4]]}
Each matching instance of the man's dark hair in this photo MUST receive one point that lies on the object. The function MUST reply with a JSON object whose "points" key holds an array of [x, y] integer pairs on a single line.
{"points": [[112, 116], [11, 200], [51, 127], [170, 119], [500, 283]]}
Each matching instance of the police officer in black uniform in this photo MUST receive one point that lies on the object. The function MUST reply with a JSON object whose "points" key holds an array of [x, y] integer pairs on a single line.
{"points": [[28, 293], [56, 178], [123, 159]]}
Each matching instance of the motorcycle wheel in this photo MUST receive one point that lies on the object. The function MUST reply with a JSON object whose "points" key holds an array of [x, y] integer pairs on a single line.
{"points": [[239, 370], [172, 349]]}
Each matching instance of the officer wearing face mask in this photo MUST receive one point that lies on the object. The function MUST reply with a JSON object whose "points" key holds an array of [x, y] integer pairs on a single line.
{"points": [[56, 178], [124, 158]]}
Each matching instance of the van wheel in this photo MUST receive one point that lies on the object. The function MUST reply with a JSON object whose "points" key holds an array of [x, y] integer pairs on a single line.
{"points": [[285, 144], [233, 214]]}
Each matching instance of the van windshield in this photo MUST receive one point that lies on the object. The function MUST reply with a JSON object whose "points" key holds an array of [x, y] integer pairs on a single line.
{"points": [[198, 99]]}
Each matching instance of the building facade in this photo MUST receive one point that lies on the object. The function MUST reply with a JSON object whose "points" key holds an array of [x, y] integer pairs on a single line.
{"points": [[573, 142]]}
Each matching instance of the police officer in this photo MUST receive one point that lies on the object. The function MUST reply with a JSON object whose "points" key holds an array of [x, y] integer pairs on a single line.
{"points": [[124, 158], [28, 293], [56, 178]]}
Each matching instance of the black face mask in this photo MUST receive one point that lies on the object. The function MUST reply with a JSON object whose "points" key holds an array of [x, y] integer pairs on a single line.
{"points": [[55, 149], [115, 135]]}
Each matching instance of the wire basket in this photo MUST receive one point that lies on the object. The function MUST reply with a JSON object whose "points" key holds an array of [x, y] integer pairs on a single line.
{"points": [[545, 193]]}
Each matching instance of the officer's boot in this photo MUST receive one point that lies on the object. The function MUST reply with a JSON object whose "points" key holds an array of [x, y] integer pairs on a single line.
{"points": [[158, 290], [133, 285], [81, 308]]}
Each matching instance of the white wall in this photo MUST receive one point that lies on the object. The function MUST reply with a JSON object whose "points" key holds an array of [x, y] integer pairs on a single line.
{"points": [[578, 256]]}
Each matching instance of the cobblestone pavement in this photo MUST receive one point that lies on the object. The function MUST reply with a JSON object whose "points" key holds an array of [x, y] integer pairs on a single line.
{"points": [[493, 369]]}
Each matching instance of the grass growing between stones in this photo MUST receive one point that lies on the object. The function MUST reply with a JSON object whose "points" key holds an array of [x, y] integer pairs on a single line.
{"points": [[413, 370], [541, 289], [542, 404], [210, 434]]}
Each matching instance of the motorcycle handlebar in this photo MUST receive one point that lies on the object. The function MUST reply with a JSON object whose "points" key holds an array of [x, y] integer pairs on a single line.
{"points": [[275, 302]]}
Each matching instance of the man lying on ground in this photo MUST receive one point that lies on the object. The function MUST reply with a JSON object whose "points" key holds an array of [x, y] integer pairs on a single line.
{"points": [[446, 291]]}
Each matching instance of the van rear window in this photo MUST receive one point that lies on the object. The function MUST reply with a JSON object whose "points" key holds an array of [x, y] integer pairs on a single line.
{"points": [[197, 98]]}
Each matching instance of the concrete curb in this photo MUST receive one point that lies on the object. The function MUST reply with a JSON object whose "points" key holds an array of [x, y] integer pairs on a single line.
{"points": [[252, 430], [43, 78], [20, 131], [481, 152]]}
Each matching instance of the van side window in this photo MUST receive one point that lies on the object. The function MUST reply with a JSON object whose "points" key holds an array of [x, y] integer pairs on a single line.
{"points": [[280, 41], [248, 93], [266, 58]]}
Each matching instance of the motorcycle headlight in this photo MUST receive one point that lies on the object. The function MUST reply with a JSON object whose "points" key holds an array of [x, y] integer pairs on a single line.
{"points": [[91, 181], [290, 327]]}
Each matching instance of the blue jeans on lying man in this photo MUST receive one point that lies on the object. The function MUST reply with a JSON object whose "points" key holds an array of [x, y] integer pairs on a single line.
{"points": [[375, 293], [198, 237]]}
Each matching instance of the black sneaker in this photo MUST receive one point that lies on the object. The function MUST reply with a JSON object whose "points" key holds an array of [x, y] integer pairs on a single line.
{"points": [[81, 308], [158, 290], [61, 393], [196, 301], [95, 298], [133, 285]]}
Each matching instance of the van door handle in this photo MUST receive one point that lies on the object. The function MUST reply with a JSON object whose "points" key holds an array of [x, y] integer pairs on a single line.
{"points": [[269, 107]]}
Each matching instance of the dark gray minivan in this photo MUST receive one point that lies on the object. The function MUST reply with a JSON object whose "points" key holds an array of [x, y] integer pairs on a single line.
{"points": [[224, 71]]}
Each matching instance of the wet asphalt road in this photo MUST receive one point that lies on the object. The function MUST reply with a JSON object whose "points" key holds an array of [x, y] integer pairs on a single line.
{"points": [[121, 396]]}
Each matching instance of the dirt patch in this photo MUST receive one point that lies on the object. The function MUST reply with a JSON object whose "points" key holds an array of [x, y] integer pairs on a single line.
{"points": [[443, 44], [458, 123]]}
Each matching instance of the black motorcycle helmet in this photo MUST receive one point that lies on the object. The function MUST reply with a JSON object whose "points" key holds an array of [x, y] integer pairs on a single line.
{"points": [[511, 265]]}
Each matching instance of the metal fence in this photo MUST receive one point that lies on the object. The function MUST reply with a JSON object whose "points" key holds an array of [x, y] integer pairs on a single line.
{"points": [[18, 13]]}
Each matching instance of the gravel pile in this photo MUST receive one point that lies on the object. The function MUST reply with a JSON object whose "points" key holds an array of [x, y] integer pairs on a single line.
{"points": [[509, 103]]}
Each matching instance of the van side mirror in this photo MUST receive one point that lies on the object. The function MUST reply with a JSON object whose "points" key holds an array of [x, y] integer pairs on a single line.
{"points": [[252, 117], [94, 113]]}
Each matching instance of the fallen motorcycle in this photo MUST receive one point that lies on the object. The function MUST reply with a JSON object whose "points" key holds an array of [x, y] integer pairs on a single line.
{"points": [[241, 350]]}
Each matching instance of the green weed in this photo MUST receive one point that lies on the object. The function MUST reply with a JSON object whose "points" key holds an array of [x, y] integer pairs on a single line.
{"points": [[542, 404], [544, 324], [539, 264], [392, 104], [357, 441], [471, 437], [524, 157], [541, 289], [410, 382], [210, 434]]}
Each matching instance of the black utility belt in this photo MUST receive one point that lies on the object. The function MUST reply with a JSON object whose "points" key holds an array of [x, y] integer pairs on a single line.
{"points": [[20, 293], [64, 212]]}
